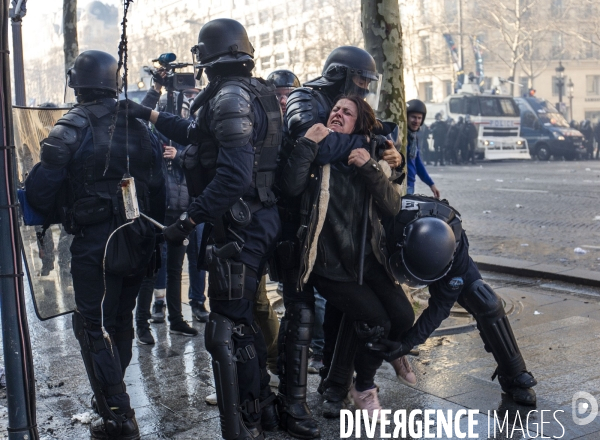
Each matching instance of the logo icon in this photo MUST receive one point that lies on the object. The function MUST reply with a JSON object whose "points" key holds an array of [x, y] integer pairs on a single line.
{"points": [[456, 283], [582, 403]]}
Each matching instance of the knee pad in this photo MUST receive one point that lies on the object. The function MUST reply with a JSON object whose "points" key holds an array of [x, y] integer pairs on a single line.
{"points": [[90, 345], [219, 341], [480, 299], [297, 337], [494, 327]]}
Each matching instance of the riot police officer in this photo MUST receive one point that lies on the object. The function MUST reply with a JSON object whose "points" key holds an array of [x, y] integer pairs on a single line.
{"points": [[84, 165], [229, 171], [284, 81], [429, 247], [347, 71], [439, 130]]}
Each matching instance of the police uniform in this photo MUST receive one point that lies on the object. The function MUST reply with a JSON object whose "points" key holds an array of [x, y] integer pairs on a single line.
{"points": [[230, 169], [413, 233], [83, 161]]}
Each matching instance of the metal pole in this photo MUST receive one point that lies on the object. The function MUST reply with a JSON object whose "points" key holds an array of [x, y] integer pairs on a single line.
{"points": [[571, 106], [18, 362], [16, 16], [460, 36]]}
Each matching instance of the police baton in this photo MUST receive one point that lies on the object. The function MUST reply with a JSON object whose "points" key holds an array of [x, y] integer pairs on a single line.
{"points": [[365, 223], [161, 226]]}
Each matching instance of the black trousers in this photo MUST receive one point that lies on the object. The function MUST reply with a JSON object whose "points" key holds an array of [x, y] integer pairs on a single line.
{"points": [[377, 302], [121, 293]]}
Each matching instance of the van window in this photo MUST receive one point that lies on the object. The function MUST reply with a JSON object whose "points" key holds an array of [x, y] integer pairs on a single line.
{"points": [[528, 119], [492, 106], [457, 106]]}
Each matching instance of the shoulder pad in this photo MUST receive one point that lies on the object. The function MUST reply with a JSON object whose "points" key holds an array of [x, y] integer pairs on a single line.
{"points": [[75, 118], [65, 134], [232, 116], [301, 111]]}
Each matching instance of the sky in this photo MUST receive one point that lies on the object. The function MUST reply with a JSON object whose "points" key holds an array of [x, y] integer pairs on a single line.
{"points": [[41, 14]]}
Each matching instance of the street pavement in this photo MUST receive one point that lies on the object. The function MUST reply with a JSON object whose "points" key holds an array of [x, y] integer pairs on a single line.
{"points": [[557, 326], [527, 210]]}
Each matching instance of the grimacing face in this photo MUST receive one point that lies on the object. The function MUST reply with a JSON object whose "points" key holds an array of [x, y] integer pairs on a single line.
{"points": [[343, 117]]}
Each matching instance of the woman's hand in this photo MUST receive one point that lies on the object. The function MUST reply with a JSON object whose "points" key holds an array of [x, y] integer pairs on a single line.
{"points": [[170, 152], [359, 157], [391, 155], [317, 133]]}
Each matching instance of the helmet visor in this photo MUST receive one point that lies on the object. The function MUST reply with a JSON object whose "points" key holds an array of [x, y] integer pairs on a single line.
{"points": [[367, 85]]}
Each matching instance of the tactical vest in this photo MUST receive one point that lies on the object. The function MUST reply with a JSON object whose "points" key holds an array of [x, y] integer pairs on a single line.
{"points": [[104, 169], [200, 160]]}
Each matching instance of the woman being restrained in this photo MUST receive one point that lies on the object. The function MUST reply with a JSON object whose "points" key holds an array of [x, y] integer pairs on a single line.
{"points": [[332, 244]]}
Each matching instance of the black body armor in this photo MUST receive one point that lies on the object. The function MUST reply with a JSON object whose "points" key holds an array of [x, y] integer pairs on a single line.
{"points": [[232, 126]]}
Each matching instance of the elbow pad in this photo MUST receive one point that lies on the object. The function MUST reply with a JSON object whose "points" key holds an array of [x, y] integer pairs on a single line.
{"points": [[55, 154], [301, 112]]}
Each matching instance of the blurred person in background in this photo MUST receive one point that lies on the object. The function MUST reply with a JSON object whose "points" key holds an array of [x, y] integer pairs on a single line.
{"points": [[416, 111]]}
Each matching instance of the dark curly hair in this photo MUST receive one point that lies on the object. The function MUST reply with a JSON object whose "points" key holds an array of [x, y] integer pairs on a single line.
{"points": [[366, 121]]}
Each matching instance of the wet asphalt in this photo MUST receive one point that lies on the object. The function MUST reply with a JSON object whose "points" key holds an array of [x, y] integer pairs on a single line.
{"points": [[557, 326]]}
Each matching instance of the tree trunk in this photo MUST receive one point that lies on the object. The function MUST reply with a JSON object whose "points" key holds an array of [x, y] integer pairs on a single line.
{"points": [[383, 40], [70, 45]]}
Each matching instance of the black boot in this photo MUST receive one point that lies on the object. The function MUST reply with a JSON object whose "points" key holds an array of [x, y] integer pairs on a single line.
{"points": [[124, 429], [294, 415], [519, 388], [269, 419]]}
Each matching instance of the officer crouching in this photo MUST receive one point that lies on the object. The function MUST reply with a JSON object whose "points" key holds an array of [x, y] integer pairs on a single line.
{"points": [[83, 164], [230, 168]]}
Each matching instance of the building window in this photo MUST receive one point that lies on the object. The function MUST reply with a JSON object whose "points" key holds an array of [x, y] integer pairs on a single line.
{"points": [[279, 13], [279, 59], [589, 51], [427, 91], [309, 5], [264, 39], [265, 63], [278, 37], [592, 86], [524, 83], [311, 55], [447, 88], [250, 20], [293, 56], [558, 45], [263, 17], [556, 8], [425, 50], [424, 7]]}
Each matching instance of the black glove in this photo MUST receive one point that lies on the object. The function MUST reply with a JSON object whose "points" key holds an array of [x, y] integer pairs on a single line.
{"points": [[388, 350], [367, 333], [179, 231], [135, 110]]}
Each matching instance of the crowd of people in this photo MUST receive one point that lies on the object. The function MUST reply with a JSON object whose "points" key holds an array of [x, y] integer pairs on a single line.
{"points": [[591, 136], [454, 143], [302, 182]]}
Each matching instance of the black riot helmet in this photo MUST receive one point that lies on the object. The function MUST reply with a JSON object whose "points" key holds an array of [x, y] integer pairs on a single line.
{"points": [[283, 78], [417, 106], [221, 41], [426, 252], [94, 69], [349, 70]]}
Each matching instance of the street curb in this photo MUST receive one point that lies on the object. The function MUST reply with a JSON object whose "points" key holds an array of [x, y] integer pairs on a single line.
{"points": [[537, 270]]}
